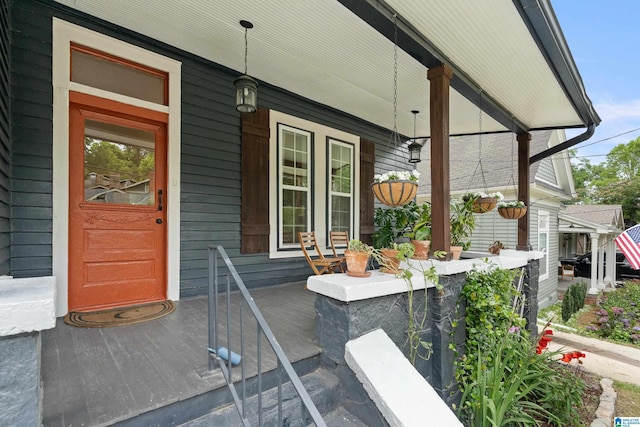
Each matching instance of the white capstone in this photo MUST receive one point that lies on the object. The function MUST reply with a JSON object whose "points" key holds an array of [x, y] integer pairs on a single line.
{"points": [[401, 394], [27, 305], [342, 287]]}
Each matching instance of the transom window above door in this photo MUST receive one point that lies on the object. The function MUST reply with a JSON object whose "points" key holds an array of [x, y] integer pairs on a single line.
{"points": [[103, 71]]}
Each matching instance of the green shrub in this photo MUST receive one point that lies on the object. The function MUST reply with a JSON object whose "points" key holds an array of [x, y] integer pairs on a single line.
{"points": [[573, 299], [567, 305]]}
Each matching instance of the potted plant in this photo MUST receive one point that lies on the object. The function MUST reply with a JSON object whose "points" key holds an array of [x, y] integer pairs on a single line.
{"points": [[357, 256], [462, 224], [391, 256], [483, 202], [513, 209], [420, 233], [395, 188]]}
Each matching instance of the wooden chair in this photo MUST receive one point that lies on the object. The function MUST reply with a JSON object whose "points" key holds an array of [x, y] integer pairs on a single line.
{"points": [[568, 270], [321, 264], [339, 240]]}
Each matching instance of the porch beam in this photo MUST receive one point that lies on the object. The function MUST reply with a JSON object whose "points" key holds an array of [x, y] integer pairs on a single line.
{"points": [[440, 79], [524, 145]]}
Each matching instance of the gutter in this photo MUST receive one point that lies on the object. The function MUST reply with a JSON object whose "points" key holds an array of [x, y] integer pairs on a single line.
{"points": [[565, 145]]}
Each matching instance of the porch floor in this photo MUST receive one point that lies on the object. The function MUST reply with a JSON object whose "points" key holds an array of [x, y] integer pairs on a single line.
{"points": [[99, 376]]}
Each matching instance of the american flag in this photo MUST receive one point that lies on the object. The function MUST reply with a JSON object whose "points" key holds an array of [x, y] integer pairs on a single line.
{"points": [[629, 244]]}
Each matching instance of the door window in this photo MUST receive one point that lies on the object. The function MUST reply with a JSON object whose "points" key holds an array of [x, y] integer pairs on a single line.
{"points": [[119, 164]]}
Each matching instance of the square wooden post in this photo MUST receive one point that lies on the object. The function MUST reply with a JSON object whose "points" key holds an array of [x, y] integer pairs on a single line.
{"points": [[524, 142], [440, 79]]}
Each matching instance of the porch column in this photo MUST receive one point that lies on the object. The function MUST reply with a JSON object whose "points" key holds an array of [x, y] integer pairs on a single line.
{"points": [[440, 79], [601, 264], [612, 265], [594, 260], [524, 142]]}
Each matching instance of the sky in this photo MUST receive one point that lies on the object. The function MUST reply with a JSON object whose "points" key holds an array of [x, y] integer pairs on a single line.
{"points": [[603, 37]]}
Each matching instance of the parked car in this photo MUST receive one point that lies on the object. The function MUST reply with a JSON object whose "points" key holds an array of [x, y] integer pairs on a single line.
{"points": [[582, 266]]}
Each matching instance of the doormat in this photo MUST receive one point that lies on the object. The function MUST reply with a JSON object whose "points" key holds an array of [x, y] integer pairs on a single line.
{"points": [[119, 316]]}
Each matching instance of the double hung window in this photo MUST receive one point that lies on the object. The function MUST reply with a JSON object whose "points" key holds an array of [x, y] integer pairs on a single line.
{"points": [[312, 182]]}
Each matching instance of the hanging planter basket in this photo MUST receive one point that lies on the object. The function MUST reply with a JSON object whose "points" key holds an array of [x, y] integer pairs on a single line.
{"points": [[484, 204], [512, 212], [395, 192]]}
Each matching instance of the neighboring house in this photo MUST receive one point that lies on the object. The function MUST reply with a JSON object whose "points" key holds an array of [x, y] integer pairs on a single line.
{"points": [[551, 183], [591, 228]]}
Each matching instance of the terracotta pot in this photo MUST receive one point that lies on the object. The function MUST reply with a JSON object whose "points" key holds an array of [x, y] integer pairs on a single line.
{"points": [[390, 261], [422, 248], [484, 204], [395, 193], [356, 263], [456, 251], [512, 212]]}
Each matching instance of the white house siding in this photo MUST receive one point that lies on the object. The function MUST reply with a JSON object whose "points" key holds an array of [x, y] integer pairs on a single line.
{"points": [[547, 172]]}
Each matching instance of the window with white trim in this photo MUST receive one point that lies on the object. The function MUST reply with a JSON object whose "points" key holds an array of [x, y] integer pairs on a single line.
{"points": [[294, 163], [313, 183], [543, 243], [340, 186]]}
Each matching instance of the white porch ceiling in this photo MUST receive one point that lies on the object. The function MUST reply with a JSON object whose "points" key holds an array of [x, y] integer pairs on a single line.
{"points": [[322, 51]]}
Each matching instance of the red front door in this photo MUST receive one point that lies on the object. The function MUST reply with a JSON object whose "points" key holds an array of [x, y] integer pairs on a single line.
{"points": [[117, 192]]}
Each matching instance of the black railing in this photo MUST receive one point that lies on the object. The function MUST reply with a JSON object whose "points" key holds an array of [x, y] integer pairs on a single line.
{"points": [[225, 357]]}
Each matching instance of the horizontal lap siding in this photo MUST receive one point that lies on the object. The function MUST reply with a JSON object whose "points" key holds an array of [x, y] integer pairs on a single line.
{"points": [[210, 160], [5, 139], [32, 114]]}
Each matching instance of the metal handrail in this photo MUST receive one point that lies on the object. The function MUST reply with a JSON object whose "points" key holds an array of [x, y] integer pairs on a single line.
{"points": [[307, 407]]}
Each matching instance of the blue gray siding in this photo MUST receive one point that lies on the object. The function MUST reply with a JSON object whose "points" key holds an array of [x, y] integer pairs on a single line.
{"points": [[32, 115], [211, 152], [5, 138]]}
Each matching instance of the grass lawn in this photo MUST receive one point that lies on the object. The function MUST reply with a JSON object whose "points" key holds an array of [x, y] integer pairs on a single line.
{"points": [[628, 401]]}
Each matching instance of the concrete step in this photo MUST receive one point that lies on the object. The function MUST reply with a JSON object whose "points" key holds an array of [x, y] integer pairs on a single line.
{"points": [[322, 386], [182, 412], [340, 417]]}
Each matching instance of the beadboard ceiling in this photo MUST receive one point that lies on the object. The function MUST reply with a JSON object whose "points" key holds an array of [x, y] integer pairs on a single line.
{"points": [[323, 51]]}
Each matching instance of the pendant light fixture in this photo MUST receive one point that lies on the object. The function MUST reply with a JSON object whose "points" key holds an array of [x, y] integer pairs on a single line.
{"points": [[246, 87], [416, 144]]}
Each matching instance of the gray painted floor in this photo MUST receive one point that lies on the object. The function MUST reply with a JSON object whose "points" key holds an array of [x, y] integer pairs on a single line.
{"points": [[97, 376]]}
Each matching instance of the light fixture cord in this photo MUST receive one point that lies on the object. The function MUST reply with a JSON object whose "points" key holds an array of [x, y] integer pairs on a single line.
{"points": [[246, 49], [395, 74]]}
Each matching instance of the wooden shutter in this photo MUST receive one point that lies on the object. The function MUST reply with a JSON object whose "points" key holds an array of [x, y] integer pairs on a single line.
{"points": [[255, 182], [367, 164]]}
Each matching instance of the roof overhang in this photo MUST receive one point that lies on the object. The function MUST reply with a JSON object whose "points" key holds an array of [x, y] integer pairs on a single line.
{"points": [[571, 224], [510, 57]]}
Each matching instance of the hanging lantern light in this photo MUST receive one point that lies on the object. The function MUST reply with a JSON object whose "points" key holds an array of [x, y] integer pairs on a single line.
{"points": [[415, 146], [246, 87]]}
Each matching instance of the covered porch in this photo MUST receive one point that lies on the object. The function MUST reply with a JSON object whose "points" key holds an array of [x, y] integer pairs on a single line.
{"points": [[595, 237], [156, 372]]}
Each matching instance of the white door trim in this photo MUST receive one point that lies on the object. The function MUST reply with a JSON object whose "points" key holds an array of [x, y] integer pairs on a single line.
{"points": [[63, 34]]}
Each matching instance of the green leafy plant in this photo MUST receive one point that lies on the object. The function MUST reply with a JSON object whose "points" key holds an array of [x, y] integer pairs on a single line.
{"points": [[462, 222], [416, 320], [504, 378], [420, 229], [393, 223]]}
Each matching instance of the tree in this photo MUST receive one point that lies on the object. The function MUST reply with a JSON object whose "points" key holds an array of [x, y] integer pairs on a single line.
{"points": [[615, 181]]}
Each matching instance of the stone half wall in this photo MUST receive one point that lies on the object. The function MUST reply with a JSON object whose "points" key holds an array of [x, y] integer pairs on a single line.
{"points": [[338, 322]]}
